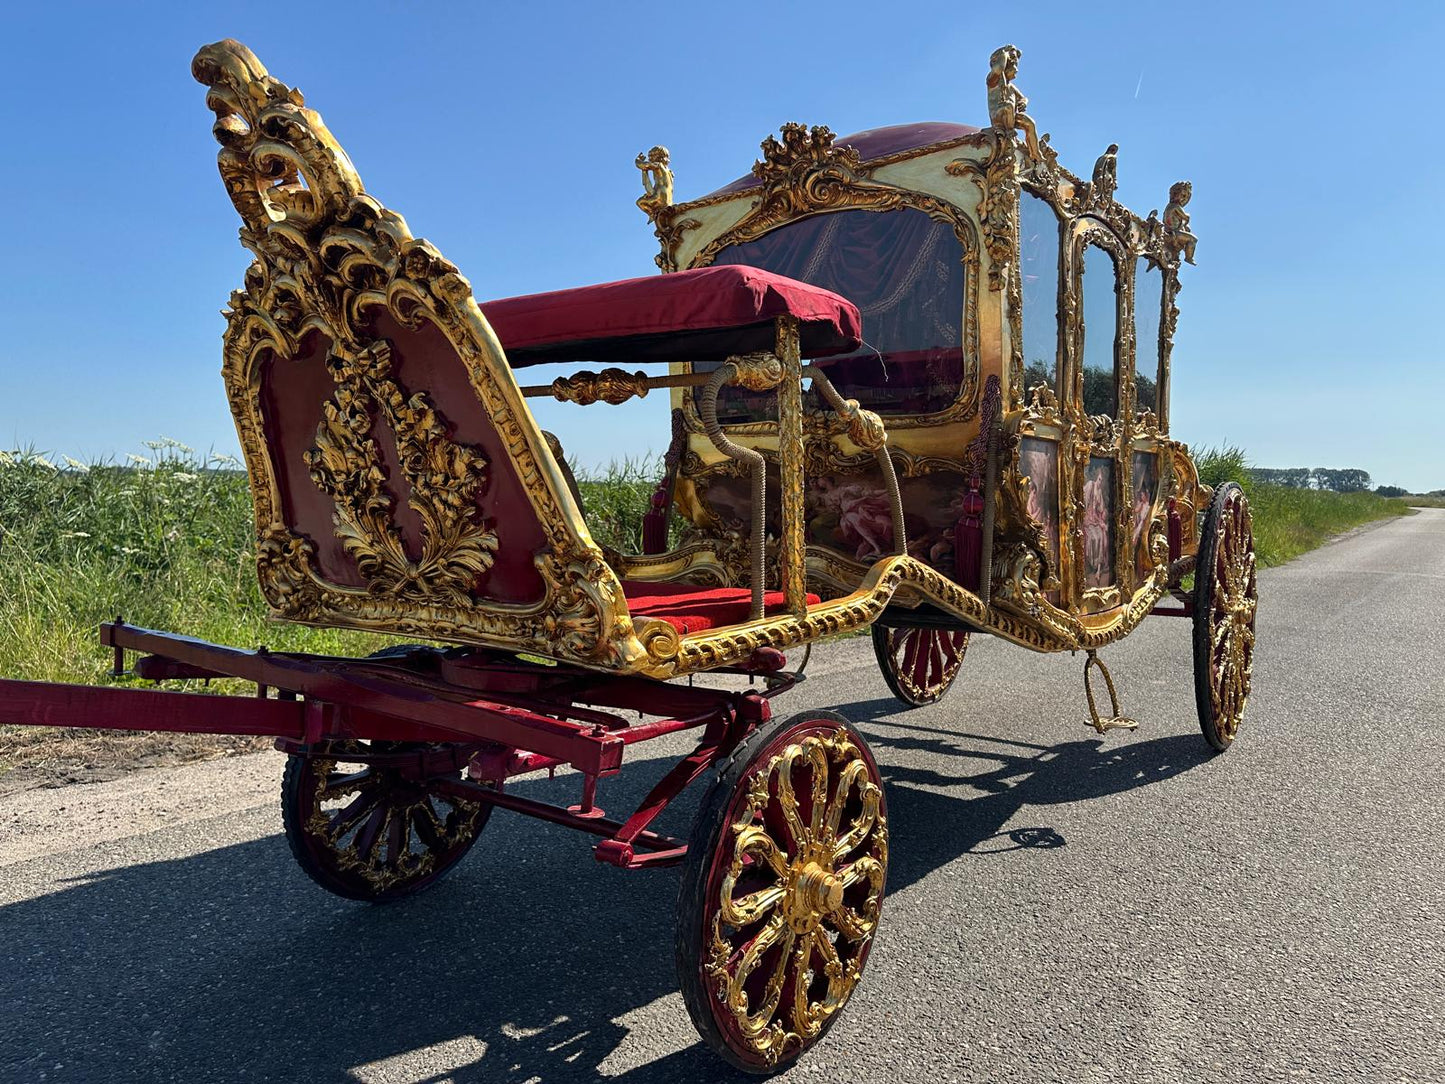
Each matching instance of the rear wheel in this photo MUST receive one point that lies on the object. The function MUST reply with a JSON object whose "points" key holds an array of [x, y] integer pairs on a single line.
{"points": [[781, 891], [370, 832], [919, 664], [1225, 597]]}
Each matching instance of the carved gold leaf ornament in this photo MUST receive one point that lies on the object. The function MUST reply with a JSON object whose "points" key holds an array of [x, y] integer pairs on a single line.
{"points": [[813, 867], [615, 386], [443, 479]]}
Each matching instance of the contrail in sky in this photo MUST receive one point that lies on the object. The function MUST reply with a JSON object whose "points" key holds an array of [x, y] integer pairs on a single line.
{"points": [[1140, 85]]}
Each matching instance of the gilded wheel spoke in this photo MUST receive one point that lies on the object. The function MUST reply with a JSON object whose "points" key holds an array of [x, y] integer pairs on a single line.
{"points": [[818, 794], [397, 836], [847, 779], [754, 1020], [371, 831], [806, 1021], [338, 784], [339, 824], [787, 798], [859, 829]]}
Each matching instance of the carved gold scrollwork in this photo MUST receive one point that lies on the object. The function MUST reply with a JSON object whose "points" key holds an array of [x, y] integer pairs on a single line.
{"points": [[998, 195], [443, 479]]}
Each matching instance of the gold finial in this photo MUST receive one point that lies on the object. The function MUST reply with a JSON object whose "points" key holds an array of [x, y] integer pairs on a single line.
{"points": [[656, 181], [1007, 105], [1106, 176], [1177, 237]]}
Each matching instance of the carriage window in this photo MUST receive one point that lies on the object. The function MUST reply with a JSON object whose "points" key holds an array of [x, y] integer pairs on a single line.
{"points": [[1039, 252], [1101, 322], [1148, 307], [904, 271]]}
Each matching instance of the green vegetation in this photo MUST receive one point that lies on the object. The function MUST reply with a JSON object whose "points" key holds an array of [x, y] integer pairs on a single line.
{"points": [[1288, 520], [167, 542]]}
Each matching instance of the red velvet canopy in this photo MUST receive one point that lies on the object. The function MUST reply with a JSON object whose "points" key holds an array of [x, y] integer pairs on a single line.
{"points": [[708, 314]]}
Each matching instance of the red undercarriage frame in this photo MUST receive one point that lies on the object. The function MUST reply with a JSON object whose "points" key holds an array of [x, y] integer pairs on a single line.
{"points": [[493, 715]]}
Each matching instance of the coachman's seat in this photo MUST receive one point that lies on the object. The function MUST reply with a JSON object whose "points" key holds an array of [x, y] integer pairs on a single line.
{"points": [[400, 482]]}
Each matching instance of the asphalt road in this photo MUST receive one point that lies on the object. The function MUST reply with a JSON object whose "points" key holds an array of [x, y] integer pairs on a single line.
{"points": [[1061, 907]]}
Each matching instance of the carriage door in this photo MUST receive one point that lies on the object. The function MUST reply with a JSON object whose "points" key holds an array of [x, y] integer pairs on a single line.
{"points": [[1099, 478]]}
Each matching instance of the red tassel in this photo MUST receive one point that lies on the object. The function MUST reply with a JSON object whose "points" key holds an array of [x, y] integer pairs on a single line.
{"points": [[654, 523], [968, 541]]}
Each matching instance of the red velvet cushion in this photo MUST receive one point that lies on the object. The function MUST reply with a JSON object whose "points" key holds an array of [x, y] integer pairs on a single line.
{"points": [[708, 314], [689, 608]]}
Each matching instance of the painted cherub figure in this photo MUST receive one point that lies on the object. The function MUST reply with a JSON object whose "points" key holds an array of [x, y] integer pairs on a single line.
{"points": [[1176, 220], [1106, 175], [656, 181], [1006, 103]]}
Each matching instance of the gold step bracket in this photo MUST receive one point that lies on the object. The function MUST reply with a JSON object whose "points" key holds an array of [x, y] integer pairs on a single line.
{"points": [[1115, 721]]}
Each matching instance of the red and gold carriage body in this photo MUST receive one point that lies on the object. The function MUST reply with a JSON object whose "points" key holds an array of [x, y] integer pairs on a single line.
{"points": [[1018, 324]]}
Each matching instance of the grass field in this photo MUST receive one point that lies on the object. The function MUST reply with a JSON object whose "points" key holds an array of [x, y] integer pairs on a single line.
{"points": [[167, 543], [1289, 522]]}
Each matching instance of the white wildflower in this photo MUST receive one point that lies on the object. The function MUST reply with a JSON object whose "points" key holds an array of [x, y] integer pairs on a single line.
{"points": [[139, 460], [41, 461], [75, 464], [185, 476]]}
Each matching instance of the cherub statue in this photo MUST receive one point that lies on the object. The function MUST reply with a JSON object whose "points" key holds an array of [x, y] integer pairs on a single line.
{"points": [[1006, 103], [1176, 221], [1106, 175], [656, 181]]}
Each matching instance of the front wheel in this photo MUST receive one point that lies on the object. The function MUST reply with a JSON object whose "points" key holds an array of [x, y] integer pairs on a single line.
{"points": [[919, 664], [369, 831], [1225, 597], [781, 891]]}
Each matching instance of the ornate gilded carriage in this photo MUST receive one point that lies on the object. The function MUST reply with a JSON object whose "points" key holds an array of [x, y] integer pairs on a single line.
{"points": [[893, 407], [1018, 326]]}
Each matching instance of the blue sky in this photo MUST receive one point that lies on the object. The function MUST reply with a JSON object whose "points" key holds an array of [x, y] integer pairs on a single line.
{"points": [[1310, 331]]}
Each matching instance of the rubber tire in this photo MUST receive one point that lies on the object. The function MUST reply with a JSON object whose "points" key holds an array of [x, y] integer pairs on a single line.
{"points": [[711, 820]]}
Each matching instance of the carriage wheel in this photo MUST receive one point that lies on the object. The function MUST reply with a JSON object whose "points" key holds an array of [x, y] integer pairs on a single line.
{"points": [[369, 833], [919, 664], [781, 890], [1225, 597]]}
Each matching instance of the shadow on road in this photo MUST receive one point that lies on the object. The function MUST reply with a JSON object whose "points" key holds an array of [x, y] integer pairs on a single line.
{"points": [[522, 966]]}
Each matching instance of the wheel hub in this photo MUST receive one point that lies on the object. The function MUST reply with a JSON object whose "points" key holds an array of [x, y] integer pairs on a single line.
{"points": [[814, 892]]}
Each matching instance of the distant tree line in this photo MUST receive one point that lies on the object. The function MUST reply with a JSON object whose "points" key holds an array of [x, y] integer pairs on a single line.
{"points": [[1346, 480]]}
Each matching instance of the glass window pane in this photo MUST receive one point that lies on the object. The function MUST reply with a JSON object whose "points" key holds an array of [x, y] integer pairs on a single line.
{"points": [[904, 271], [1039, 263], [1148, 284], [1101, 321]]}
